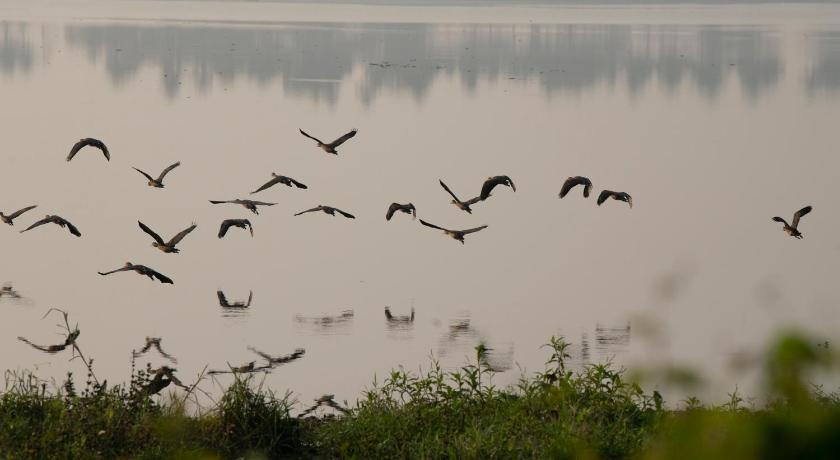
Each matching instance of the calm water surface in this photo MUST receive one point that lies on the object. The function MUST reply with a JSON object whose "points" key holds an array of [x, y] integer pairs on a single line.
{"points": [[712, 125]]}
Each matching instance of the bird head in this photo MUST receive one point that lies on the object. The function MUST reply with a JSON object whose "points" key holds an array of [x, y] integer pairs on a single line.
{"points": [[128, 264], [275, 175]]}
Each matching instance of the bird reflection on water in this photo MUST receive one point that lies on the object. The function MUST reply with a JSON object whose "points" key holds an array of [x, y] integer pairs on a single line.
{"points": [[327, 324]]}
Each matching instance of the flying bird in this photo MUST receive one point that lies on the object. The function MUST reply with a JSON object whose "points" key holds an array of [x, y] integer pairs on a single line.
{"points": [[241, 223], [143, 270], [620, 196], [278, 360], [68, 341], [89, 141], [330, 148], [158, 183], [793, 229], [154, 342], [249, 204], [247, 368], [60, 221], [162, 378], [277, 179], [492, 182], [328, 210], [406, 208], [572, 182], [223, 301], [462, 205], [456, 234], [167, 247], [11, 217]]}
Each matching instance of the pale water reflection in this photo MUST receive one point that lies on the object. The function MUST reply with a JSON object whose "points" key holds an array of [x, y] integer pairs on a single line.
{"points": [[712, 128]]}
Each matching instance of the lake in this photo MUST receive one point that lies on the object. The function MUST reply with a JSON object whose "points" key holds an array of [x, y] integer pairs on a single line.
{"points": [[714, 118]]}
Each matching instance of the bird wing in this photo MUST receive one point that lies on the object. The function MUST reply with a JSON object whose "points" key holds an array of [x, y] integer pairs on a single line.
{"points": [[250, 298], [250, 227], [257, 203], [166, 171], [569, 184], [226, 224], [71, 227], [101, 146], [144, 349], [76, 147], [798, 215], [150, 232], [121, 269], [221, 202], [779, 219], [43, 221], [297, 184], [167, 356], [319, 208], [472, 201], [343, 138], [432, 225], [391, 210], [448, 191], [604, 195], [160, 276], [268, 184], [413, 211], [345, 214], [473, 230], [510, 182], [263, 355], [307, 135], [180, 236], [143, 173], [587, 188], [21, 211], [492, 182], [222, 299]]}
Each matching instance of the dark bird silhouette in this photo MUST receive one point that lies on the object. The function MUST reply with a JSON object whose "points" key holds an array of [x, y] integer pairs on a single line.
{"points": [[69, 341], [462, 205], [60, 221], [158, 183], [162, 377], [244, 369], [406, 208], [249, 204], [8, 291], [399, 319], [328, 210], [223, 301], [167, 247], [280, 360], [11, 217], [330, 148], [620, 196], [241, 223], [572, 182], [793, 229], [154, 342], [277, 179], [456, 234], [89, 141], [143, 270], [492, 182]]}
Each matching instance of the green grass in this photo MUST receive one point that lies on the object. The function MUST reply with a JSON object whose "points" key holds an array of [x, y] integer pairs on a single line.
{"points": [[594, 412]]}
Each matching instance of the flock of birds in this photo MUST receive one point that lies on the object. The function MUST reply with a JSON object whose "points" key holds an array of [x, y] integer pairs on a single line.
{"points": [[164, 376]]}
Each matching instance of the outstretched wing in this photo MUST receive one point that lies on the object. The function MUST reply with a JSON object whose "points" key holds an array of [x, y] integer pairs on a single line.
{"points": [[307, 135], [570, 184], [343, 138], [798, 215], [101, 146], [180, 236], [71, 227], [223, 201], [169, 357], [492, 182], [391, 210], [222, 299], [473, 230], [263, 355], [76, 147], [268, 184], [587, 188], [166, 171], [150, 232], [250, 298], [473, 201], [226, 224], [145, 348], [448, 191], [432, 225], [604, 195], [257, 203], [15, 214], [143, 173], [319, 208], [161, 277], [296, 183], [121, 269], [345, 214]]}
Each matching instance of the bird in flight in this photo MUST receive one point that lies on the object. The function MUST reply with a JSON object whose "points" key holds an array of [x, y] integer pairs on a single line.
{"points": [[277, 179], [60, 221], [158, 183], [154, 342], [330, 148], [11, 217], [406, 208], [143, 270], [68, 341], [328, 210], [167, 247], [223, 301], [456, 234], [241, 223], [793, 228], [462, 205], [620, 196], [89, 141], [279, 360], [492, 182], [162, 378], [249, 204], [572, 182]]}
